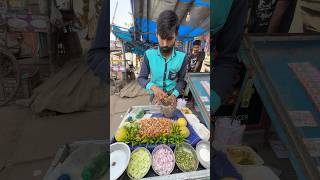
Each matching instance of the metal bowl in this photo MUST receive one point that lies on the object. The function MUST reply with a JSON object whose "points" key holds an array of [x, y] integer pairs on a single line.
{"points": [[167, 111], [203, 145], [119, 159], [145, 149], [187, 147], [164, 147]]}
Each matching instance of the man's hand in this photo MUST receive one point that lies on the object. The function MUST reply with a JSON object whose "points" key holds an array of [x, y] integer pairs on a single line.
{"points": [[158, 92], [173, 100]]}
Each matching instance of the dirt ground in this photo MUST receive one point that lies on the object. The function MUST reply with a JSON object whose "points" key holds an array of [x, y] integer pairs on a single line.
{"points": [[29, 142], [119, 106]]}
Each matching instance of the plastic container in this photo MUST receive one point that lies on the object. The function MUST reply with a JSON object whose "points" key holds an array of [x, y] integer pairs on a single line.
{"points": [[228, 132], [203, 150], [146, 150], [119, 159], [259, 172], [181, 103], [188, 148], [153, 162], [96, 168], [243, 157], [136, 114]]}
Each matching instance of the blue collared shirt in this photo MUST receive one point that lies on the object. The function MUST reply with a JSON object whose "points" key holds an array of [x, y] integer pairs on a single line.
{"points": [[166, 74]]}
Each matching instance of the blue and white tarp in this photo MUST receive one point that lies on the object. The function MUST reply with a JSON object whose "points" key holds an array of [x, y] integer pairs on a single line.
{"points": [[194, 17]]}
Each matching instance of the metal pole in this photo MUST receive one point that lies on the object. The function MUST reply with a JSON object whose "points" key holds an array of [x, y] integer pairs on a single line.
{"points": [[125, 62]]}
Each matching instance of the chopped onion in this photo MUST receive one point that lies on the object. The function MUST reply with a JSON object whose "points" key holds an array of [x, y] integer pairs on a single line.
{"points": [[163, 161]]}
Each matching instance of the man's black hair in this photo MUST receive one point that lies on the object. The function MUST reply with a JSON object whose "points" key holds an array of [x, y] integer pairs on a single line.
{"points": [[167, 23], [197, 42]]}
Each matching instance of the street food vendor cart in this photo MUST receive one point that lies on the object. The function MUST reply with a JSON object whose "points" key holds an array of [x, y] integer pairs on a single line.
{"points": [[154, 114], [286, 74], [199, 85]]}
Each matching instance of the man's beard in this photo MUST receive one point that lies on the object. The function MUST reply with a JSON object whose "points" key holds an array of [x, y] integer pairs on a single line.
{"points": [[166, 49]]}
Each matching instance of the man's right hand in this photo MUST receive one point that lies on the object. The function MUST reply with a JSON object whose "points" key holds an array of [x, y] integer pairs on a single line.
{"points": [[158, 92]]}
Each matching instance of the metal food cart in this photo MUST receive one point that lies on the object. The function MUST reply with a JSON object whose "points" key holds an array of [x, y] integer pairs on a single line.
{"points": [[198, 92], [281, 92]]}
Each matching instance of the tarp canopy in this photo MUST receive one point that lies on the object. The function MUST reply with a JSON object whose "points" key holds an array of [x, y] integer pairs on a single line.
{"points": [[145, 13], [142, 36], [126, 36]]}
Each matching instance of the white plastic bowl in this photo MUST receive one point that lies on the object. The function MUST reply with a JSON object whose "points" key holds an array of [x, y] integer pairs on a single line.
{"points": [[119, 159], [203, 146]]}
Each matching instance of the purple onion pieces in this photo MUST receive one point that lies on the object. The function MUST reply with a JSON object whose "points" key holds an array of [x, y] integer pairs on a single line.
{"points": [[163, 161]]}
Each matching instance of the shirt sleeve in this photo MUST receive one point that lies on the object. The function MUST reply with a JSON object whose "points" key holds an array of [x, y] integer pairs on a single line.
{"points": [[227, 41], [181, 77], [143, 78]]}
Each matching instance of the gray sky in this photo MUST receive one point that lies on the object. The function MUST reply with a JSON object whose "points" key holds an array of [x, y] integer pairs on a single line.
{"points": [[122, 15]]}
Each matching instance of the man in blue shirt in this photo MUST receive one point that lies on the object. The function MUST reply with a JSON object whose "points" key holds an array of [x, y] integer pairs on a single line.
{"points": [[166, 65]]}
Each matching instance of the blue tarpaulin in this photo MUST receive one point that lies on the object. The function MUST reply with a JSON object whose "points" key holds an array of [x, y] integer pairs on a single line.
{"points": [[146, 12], [126, 36], [142, 36], [121, 33]]}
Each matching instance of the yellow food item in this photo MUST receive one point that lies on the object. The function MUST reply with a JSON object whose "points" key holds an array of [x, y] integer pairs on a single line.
{"points": [[186, 110], [121, 134], [184, 131], [182, 122], [241, 157]]}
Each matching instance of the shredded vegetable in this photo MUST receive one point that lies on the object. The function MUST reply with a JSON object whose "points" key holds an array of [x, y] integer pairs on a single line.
{"points": [[139, 163]]}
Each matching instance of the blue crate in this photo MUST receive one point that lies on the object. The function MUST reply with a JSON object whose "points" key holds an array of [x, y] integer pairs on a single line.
{"points": [[193, 139]]}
